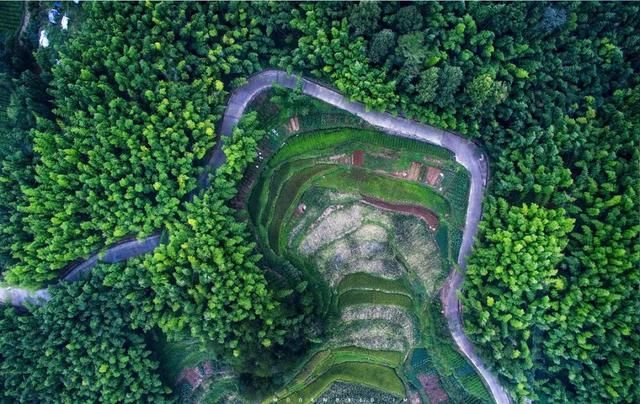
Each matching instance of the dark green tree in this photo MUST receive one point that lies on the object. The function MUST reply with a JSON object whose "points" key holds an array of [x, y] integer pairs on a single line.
{"points": [[79, 347]]}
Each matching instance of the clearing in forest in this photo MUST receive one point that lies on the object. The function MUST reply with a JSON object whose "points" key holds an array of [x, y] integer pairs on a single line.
{"points": [[377, 248]]}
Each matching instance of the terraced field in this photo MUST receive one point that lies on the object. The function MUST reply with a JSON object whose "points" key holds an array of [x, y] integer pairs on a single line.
{"points": [[10, 20], [383, 267], [11, 12]]}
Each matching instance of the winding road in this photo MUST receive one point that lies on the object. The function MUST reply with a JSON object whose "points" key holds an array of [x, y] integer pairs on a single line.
{"points": [[466, 153]]}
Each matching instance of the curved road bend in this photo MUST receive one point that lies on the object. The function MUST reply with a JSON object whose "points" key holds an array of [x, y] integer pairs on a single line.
{"points": [[466, 153], [116, 253]]}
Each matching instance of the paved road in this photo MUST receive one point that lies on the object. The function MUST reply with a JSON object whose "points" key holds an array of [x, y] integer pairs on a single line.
{"points": [[119, 252], [466, 153]]}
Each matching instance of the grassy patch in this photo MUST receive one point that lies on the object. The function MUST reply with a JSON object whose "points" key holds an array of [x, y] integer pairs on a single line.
{"points": [[323, 361], [368, 374], [286, 197], [219, 390], [386, 188], [308, 370], [354, 393], [312, 145], [359, 296], [367, 281], [355, 354], [175, 356], [275, 180], [329, 142]]}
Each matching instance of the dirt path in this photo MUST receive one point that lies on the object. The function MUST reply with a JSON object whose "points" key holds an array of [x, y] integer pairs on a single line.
{"points": [[466, 153]]}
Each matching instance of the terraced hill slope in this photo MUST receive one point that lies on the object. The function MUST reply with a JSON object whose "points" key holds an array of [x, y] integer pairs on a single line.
{"points": [[362, 212]]}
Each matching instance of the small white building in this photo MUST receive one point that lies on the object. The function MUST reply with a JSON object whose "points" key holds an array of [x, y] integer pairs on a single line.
{"points": [[64, 23], [43, 41]]}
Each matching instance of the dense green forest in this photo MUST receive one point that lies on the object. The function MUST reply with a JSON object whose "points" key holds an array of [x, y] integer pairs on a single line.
{"points": [[77, 348], [106, 132]]}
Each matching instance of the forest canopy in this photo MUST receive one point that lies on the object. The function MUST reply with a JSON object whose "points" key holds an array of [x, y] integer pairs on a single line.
{"points": [[105, 133]]}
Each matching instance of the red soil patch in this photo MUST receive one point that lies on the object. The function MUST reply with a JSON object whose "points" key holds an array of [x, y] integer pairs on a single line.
{"points": [[294, 125], [423, 213], [414, 171], [195, 376], [191, 376], [434, 176], [357, 158], [431, 386]]}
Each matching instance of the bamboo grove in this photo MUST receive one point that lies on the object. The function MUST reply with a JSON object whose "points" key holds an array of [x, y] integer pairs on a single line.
{"points": [[106, 133]]}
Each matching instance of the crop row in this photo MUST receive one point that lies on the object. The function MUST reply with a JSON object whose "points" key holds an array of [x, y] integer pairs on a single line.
{"points": [[386, 188], [11, 12]]}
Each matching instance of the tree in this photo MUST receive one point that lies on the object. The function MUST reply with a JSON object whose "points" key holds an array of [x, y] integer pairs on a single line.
{"points": [[364, 17], [512, 283], [427, 88], [137, 98], [381, 44], [450, 80], [325, 48], [78, 347], [485, 92], [408, 19]]}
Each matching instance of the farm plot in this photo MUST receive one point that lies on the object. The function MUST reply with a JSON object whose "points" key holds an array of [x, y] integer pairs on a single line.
{"points": [[364, 281], [359, 373], [381, 244], [11, 18], [11, 12], [340, 392], [374, 297], [385, 188], [328, 366]]}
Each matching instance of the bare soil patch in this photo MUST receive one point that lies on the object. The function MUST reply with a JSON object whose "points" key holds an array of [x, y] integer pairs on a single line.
{"points": [[196, 375], [411, 174], [414, 171], [432, 388], [434, 176], [294, 125], [357, 158]]}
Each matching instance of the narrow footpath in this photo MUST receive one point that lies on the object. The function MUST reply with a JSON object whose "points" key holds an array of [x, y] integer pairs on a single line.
{"points": [[466, 153]]}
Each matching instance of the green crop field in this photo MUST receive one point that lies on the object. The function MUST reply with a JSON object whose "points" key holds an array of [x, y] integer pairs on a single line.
{"points": [[361, 181], [367, 281], [286, 195], [364, 296], [364, 373], [348, 139], [11, 12]]}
